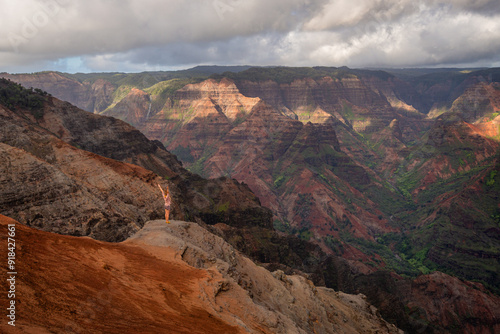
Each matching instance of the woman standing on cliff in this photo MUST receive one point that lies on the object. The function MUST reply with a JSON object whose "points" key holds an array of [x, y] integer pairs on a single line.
{"points": [[168, 202]]}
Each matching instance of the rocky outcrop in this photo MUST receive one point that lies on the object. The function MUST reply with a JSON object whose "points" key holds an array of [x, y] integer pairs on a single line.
{"points": [[77, 193], [224, 95], [286, 303], [54, 186], [175, 278]]}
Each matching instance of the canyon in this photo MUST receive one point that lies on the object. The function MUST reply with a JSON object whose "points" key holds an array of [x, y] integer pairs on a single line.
{"points": [[376, 184]]}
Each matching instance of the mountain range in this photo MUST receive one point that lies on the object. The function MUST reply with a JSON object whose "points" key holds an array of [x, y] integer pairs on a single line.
{"points": [[372, 178]]}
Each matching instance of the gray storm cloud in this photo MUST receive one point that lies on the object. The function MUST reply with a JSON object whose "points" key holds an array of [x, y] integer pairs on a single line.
{"points": [[143, 34]]}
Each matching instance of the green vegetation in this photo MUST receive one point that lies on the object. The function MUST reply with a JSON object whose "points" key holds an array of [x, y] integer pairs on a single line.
{"points": [[496, 217], [282, 226], [164, 90], [389, 201], [408, 182], [199, 166], [222, 208], [457, 235], [284, 175], [183, 153], [305, 234], [279, 181], [350, 116], [417, 261], [450, 185], [286, 75], [303, 206], [118, 95], [408, 253], [14, 96], [490, 181], [334, 244], [393, 260], [144, 79], [240, 117], [184, 117], [347, 111], [160, 85]]}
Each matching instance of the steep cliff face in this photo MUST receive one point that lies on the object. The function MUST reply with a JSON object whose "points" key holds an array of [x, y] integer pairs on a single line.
{"points": [[76, 193], [469, 308], [452, 146], [281, 159], [439, 90], [400, 94], [54, 139], [201, 115], [479, 104], [94, 97], [133, 108], [100, 96], [348, 97], [451, 176], [435, 303], [55, 186]]}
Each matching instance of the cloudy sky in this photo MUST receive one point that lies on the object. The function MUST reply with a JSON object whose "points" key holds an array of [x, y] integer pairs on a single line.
{"points": [[141, 35]]}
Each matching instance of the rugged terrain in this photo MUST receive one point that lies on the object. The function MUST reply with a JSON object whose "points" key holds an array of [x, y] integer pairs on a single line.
{"points": [[176, 278], [85, 174], [389, 171], [414, 193]]}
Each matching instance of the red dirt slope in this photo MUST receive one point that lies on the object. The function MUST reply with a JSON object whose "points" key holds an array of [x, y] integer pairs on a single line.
{"points": [[79, 285]]}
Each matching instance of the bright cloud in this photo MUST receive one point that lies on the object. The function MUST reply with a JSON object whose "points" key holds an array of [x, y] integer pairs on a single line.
{"points": [[136, 35]]}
